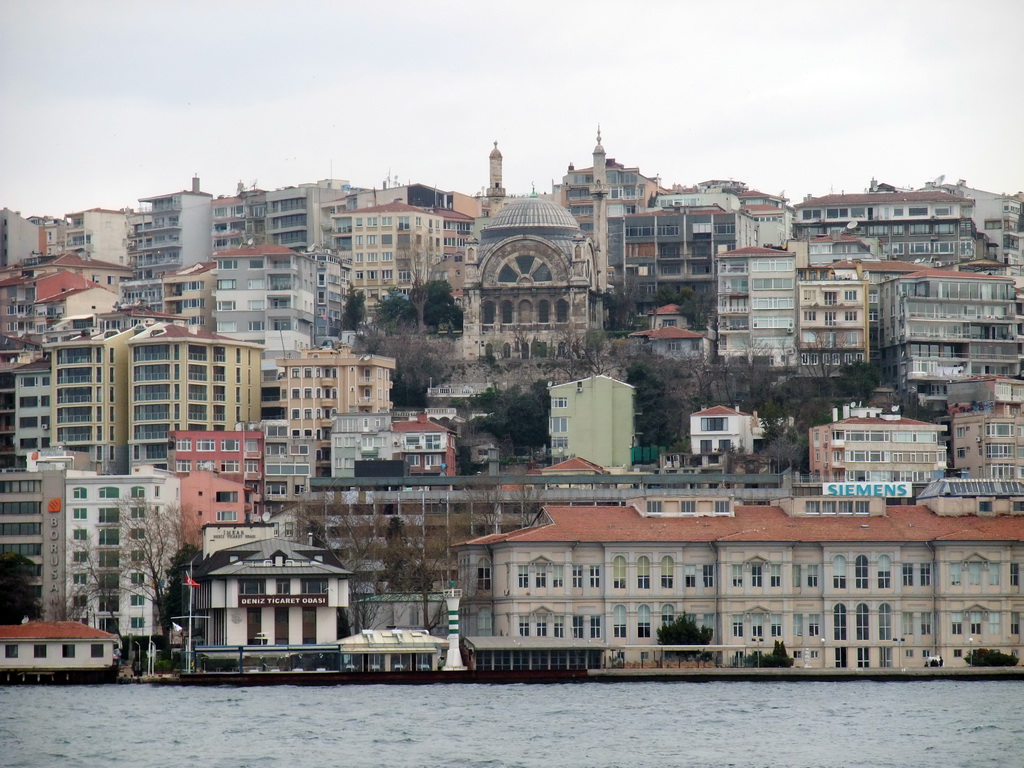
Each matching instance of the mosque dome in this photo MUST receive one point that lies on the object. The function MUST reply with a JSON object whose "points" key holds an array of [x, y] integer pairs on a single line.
{"points": [[528, 213]]}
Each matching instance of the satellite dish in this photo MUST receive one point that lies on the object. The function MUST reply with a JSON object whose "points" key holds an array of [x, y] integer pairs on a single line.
{"points": [[250, 241], [895, 409], [265, 517], [852, 224]]}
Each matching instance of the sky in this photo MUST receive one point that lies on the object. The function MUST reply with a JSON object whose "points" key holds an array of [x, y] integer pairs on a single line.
{"points": [[104, 102]]}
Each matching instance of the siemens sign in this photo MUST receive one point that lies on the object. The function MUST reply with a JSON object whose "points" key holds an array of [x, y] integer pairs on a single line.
{"points": [[897, 490]]}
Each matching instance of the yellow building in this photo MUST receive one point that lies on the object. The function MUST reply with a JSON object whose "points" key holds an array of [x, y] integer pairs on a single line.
{"points": [[188, 293], [832, 320], [322, 383], [392, 246]]}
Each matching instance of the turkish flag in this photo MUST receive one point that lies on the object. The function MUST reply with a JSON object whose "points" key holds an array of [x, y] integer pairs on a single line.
{"points": [[191, 582]]}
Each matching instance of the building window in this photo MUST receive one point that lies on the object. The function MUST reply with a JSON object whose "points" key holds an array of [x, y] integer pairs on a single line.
{"points": [[619, 572], [812, 575], [689, 576], [540, 576], [11, 651], [737, 625], [775, 576], [523, 572], [839, 572], [483, 575], [863, 632], [643, 621], [39, 651], [908, 574], [860, 572], [577, 627], [925, 572], [619, 621], [67, 650], [595, 577], [737, 575], [643, 573], [884, 572], [756, 575], [668, 567], [708, 573], [839, 622], [577, 577]]}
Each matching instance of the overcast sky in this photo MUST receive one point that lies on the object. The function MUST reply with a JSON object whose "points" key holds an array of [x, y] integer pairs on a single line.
{"points": [[105, 102]]}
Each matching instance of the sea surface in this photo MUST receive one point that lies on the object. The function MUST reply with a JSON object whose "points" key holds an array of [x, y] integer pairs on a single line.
{"points": [[901, 724]]}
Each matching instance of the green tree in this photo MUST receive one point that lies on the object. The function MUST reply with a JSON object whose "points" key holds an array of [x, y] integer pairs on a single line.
{"points": [[516, 416], [441, 310], [395, 313], [985, 657], [684, 631], [17, 595], [659, 399], [354, 313], [857, 381]]}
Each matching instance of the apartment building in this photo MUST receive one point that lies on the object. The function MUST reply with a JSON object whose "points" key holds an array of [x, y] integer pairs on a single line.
{"points": [[361, 437], [871, 445], [293, 214], [266, 294], [32, 393], [189, 294], [997, 217], [333, 276], [426, 447], [928, 226], [319, 384], [675, 248], [106, 273], [233, 454], [875, 272], [939, 326], [98, 233], [832, 320], [987, 427], [287, 465], [185, 378], [593, 419], [104, 589], [168, 232], [20, 238], [718, 430], [239, 220], [392, 246], [628, 191], [857, 589], [756, 305]]}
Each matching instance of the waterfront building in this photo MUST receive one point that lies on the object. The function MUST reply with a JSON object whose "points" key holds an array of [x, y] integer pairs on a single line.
{"points": [[871, 445], [32, 525], [109, 583], [267, 591], [845, 583], [593, 419], [56, 652]]}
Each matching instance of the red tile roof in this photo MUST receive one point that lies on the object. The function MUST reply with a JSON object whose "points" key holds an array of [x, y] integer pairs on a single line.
{"points": [[193, 269], [668, 309], [668, 333], [74, 260], [52, 630], [574, 464], [719, 410], [420, 424], [607, 524], [885, 198], [173, 331]]}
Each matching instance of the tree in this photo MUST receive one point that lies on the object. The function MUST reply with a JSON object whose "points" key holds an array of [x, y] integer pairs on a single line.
{"points": [[516, 416], [419, 361], [395, 313], [416, 259], [151, 536], [174, 604], [684, 631], [985, 657], [354, 313], [17, 595], [440, 310]]}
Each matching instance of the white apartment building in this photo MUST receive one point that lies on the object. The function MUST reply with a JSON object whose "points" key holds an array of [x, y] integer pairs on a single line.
{"points": [[100, 233], [756, 306]]}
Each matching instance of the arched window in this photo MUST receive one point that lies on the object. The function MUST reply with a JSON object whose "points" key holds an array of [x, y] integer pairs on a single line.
{"points": [[544, 311], [884, 622], [488, 350], [860, 572], [863, 631], [487, 313], [524, 269], [839, 572], [484, 621], [619, 572], [525, 311], [562, 348], [643, 621], [506, 350], [668, 572], [668, 614], [483, 575], [619, 621], [643, 572], [506, 311], [562, 311], [839, 622], [884, 572]]}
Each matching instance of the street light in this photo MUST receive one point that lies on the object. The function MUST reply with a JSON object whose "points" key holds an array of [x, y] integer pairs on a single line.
{"points": [[757, 653], [899, 649], [970, 653]]}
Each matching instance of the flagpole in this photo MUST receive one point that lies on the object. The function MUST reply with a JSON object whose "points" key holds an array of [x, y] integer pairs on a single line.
{"points": [[189, 665]]}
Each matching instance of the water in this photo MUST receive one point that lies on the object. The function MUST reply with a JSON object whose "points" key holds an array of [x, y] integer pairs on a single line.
{"points": [[909, 725]]}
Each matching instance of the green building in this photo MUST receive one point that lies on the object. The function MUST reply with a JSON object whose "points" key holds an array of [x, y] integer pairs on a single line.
{"points": [[593, 419]]}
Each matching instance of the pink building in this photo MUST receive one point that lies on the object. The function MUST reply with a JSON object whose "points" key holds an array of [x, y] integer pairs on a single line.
{"points": [[210, 497], [236, 455], [426, 447]]}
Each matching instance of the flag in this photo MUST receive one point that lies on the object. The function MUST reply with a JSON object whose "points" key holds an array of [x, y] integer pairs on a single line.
{"points": [[191, 582], [177, 627]]}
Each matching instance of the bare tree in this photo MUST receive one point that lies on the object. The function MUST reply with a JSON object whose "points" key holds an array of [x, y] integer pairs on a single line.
{"points": [[415, 259], [151, 534], [96, 571]]}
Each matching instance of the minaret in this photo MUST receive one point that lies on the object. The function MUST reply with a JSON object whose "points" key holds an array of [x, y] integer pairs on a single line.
{"points": [[495, 192], [599, 193]]}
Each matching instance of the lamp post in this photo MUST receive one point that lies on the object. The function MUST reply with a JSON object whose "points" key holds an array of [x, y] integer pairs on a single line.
{"points": [[824, 660], [757, 653], [899, 649], [970, 653]]}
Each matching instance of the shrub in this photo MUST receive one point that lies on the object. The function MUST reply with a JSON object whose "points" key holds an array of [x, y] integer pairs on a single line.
{"points": [[984, 657]]}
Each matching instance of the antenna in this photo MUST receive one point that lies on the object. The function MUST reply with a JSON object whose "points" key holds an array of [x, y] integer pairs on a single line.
{"points": [[852, 224]]}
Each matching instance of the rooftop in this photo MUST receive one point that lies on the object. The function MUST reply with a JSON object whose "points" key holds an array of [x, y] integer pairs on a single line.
{"points": [[52, 630]]}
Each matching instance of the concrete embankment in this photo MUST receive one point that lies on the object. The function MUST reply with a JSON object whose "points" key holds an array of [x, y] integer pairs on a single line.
{"points": [[719, 674]]}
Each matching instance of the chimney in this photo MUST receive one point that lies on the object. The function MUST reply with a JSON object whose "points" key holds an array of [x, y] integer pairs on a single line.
{"points": [[195, 184]]}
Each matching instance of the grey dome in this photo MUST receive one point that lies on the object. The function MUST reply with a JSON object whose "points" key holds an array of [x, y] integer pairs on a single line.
{"points": [[526, 213]]}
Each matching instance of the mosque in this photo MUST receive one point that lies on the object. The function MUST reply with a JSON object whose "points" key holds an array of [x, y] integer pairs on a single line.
{"points": [[534, 281]]}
